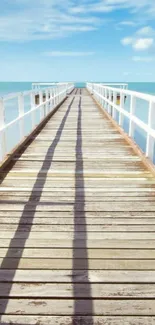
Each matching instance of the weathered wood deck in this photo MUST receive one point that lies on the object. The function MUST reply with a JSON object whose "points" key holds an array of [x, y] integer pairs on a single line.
{"points": [[77, 225]]}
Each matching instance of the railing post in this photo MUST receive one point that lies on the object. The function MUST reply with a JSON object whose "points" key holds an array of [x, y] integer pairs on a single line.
{"points": [[114, 103], [100, 95], [64, 93], [54, 91], [41, 103], [105, 95], [21, 113], [47, 101], [150, 141], [92, 90], [102, 98], [109, 106], [121, 115], [132, 111], [3, 148], [51, 99], [59, 94], [40, 97], [32, 106], [99, 92]]}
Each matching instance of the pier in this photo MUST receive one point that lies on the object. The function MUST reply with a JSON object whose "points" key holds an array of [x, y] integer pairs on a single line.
{"points": [[77, 210]]}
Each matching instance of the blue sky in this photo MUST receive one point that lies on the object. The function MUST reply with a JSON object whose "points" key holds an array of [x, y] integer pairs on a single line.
{"points": [[58, 40]]}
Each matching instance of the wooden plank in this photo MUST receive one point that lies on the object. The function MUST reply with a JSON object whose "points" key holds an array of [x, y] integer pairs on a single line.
{"points": [[93, 157], [89, 195], [75, 276], [79, 228], [28, 220], [67, 307], [78, 253], [67, 320], [88, 173], [67, 264], [79, 243], [70, 199], [66, 290], [71, 164], [79, 235], [70, 182], [115, 191], [89, 182], [91, 214], [69, 206]]}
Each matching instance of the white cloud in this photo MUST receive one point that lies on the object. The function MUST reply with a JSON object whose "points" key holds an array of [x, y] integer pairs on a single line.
{"points": [[93, 8], [127, 23], [143, 39], [43, 19], [142, 44], [111, 5], [29, 20], [127, 41], [78, 28], [68, 53], [143, 58], [147, 30]]}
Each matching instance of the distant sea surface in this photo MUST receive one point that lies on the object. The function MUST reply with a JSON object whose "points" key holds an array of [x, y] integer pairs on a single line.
{"points": [[11, 87], [11, 109]]}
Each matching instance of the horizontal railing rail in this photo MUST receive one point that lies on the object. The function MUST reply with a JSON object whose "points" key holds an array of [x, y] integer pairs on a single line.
{"points": [[113, 100], [42, 102], [119, 85], [40, 85]]}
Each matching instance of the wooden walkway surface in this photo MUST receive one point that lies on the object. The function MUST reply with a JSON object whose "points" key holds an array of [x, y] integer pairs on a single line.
{"points": [[77, 226]]}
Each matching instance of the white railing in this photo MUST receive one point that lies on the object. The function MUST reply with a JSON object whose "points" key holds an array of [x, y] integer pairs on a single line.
{"points": [[41, 102], [113, 100], [116, 85], [40, 85]]}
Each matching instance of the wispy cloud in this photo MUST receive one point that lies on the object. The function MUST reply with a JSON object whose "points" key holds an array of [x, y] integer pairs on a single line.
{"points": [[43, 20], [128, 23], [67, 53], [145, 31], [143, 59], [27, 20], [112, 5], [127, 40]]}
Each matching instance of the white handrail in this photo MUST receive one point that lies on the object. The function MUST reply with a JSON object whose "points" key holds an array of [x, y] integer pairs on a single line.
{"points": [[120, 85], [108, 96], [48, 99], [38, 85]]}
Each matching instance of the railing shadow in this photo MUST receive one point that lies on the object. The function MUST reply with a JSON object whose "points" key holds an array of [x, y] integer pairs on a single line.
{"points": [[39, 183], [80, 307]]}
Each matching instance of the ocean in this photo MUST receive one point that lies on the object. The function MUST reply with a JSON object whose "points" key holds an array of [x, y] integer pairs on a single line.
{"points": [[11, 109], [11, 87]]}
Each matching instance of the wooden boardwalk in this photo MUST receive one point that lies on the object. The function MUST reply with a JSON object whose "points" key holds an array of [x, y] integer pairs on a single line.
{"points": [[77, 225]]}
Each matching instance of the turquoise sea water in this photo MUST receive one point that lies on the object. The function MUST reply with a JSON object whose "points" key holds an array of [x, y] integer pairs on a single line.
{"points": [[11, 87], [11, 109]]}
